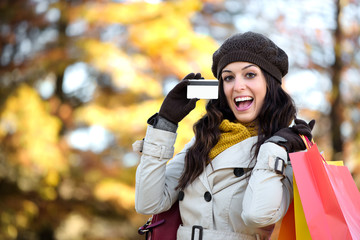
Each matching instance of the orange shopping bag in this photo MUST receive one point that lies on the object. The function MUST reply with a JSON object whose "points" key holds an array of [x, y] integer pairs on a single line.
{"points": [[329, 196], [294, 226], [287, 228]]}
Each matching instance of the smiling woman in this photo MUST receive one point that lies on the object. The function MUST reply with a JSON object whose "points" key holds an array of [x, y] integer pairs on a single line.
{"points": [[232, 180], [245, 89]]}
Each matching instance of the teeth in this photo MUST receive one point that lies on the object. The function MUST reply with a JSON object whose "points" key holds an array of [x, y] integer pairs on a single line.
{"points": [[241, 99]]}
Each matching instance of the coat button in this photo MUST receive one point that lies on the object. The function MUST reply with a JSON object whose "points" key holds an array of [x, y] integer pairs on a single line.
{"points": [[207, 197], [181, 195], [238, 172]]}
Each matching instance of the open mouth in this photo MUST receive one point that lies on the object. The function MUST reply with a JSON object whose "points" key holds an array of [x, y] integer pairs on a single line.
{"points": [[243, 103]]}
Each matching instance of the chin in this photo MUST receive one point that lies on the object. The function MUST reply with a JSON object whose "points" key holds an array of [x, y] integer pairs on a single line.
{"points": [[244, 119], [246, 116]]}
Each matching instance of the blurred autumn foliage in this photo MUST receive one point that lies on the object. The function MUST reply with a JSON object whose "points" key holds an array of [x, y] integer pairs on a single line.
{"points": [[79, 78]]}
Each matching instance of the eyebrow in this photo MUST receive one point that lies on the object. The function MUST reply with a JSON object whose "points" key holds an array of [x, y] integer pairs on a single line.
{"points": [[250, 65]]}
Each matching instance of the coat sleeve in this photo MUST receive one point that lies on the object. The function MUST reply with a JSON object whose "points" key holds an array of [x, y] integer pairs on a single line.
{"points": [[156, 176], [269, 193]]}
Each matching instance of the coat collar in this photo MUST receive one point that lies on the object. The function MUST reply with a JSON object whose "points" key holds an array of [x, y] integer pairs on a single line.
{"points": [[236, 156]]}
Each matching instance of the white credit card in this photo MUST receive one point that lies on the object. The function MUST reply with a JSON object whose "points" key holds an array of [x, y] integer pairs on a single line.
{"points": [[203, 89]]}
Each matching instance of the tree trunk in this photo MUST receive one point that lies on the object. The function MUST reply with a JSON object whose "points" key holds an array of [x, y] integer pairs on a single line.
{"points": [[336, 114]]}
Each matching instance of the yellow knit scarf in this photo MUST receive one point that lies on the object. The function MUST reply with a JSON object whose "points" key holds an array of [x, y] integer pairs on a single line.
{"points": [[231, 134]]}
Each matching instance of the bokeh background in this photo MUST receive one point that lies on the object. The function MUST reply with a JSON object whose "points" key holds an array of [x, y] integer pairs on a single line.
{"points": [[79, 79]]}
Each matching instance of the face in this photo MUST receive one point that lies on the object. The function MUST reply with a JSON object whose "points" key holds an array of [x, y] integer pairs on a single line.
{"points": [[245, 90]]}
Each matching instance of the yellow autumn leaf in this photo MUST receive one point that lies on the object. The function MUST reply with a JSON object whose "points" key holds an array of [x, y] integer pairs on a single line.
{"points": [[185, 129], [36, 131], [114, 191], [123, 119], [131, 13], [126, 71]]}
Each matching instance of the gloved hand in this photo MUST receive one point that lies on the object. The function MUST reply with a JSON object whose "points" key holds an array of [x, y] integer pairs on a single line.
{"points": [[302, 128], [176, 105], [290, 137]]}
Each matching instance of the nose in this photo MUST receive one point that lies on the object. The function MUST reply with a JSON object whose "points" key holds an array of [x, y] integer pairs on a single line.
{"points": [[239, 84]]}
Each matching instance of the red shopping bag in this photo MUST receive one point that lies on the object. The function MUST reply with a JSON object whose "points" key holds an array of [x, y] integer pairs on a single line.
{"points": [[329, 196]]}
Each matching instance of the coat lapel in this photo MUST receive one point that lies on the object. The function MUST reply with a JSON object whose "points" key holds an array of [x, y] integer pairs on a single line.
{"points": [[236, 156]]}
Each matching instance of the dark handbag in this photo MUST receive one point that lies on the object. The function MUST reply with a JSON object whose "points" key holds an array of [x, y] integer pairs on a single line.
{"points": [[163, 225]]}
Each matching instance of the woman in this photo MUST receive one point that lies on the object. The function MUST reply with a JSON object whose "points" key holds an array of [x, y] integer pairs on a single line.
{"points": [[233, 179]]}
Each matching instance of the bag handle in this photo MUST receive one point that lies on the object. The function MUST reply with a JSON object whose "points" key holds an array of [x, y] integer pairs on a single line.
{"points": [[309, 144], [149, 225]]}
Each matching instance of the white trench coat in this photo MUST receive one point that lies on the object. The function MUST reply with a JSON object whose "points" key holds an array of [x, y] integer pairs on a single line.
{"points": [[232, 199]]}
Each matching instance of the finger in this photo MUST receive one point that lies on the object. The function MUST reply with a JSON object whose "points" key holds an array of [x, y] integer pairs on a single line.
{"points": [[191, 104], [197, 76], [300, 121], [301, 126], [312, 124], [189, 76], [306, 133], [302, 129], [179, 87]]}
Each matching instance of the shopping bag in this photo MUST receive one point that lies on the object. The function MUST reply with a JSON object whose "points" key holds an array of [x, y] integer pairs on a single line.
{"points": [[301, 228], [287, 227], [329, 196], [348, 196], [293, 225]]}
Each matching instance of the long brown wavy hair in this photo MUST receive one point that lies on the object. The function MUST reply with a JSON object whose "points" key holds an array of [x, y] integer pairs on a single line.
{"points": [[277, 112]]}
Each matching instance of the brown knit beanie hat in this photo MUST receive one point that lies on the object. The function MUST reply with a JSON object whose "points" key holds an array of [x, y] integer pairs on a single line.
{"points": [[251, 47]]}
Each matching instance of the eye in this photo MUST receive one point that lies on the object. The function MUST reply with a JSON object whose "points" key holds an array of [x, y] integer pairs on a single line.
{"points": [[227, 78], [250, 75]]}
